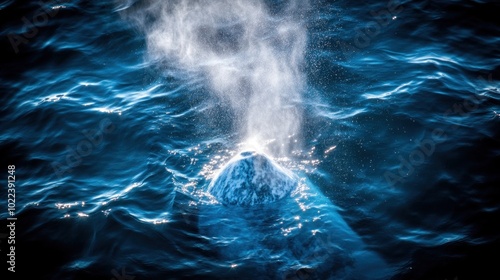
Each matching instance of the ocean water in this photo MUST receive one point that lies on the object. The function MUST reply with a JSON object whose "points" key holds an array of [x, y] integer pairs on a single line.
{"points": [[117, 115]]}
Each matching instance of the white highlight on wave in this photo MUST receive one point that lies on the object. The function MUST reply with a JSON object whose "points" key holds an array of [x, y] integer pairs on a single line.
{"points": [[250, 56]]}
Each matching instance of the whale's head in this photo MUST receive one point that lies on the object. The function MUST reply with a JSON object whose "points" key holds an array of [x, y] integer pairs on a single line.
{"points": [[251, 178]]}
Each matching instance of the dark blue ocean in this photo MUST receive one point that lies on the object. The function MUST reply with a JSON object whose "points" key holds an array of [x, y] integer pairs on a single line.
{"points": [[117, 115]]}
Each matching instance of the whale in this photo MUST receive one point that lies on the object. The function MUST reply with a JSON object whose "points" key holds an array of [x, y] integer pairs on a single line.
{"points": [[269, 223], [252, 178]]}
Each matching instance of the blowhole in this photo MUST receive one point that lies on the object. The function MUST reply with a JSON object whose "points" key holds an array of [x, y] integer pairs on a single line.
{"points": [[247, 153]]}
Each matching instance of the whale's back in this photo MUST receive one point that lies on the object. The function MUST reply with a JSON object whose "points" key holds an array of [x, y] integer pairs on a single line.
{"points": [[306, 233], [251, 178]]}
